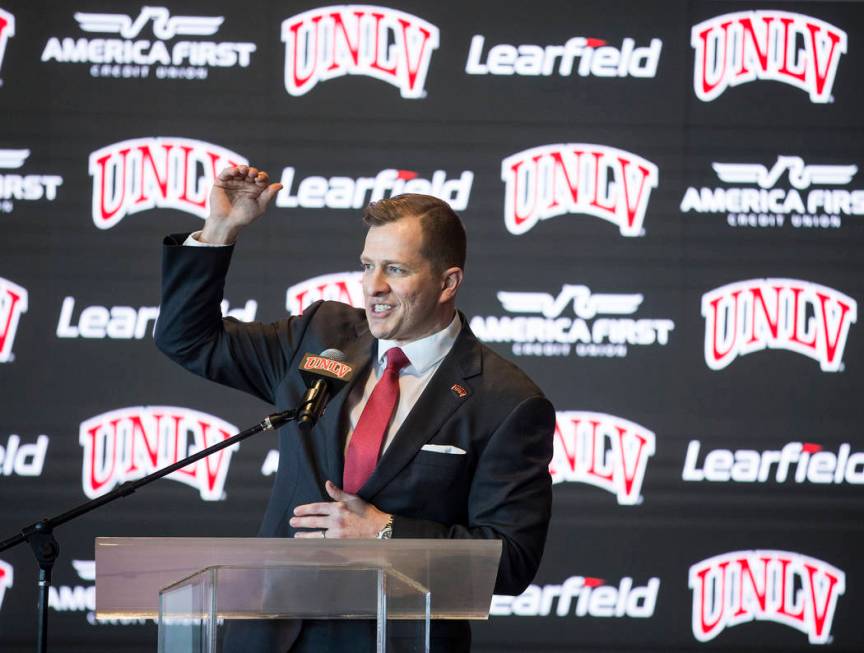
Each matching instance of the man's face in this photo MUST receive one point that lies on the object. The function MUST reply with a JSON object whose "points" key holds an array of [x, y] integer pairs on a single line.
{"points": [[403, 295]]}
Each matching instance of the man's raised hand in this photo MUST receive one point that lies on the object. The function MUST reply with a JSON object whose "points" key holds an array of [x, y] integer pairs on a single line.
{"points": [[239, 197]]}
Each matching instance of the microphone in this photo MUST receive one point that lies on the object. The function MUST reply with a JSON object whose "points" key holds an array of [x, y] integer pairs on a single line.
{"points": [[325, 374]]}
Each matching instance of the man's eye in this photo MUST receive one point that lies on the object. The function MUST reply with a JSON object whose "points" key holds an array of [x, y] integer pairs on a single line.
{"points": [[394, 269]]}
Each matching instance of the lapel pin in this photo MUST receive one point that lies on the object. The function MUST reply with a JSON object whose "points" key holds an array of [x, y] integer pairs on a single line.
{"points": [[459, 391]]}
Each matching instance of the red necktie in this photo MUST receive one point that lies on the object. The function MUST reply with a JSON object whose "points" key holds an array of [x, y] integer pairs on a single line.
{"points": [[372, 426]]}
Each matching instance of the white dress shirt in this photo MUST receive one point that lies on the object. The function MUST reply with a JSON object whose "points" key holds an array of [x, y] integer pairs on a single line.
{"points": [[424, 356]]}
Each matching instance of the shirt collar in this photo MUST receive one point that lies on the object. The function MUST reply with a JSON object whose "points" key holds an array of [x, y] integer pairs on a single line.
{"points": [[425, 352]]}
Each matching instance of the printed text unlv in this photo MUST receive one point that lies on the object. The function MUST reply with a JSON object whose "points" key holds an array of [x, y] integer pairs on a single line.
{"points": [[782, 46], [551, 180], [330, 42], [165, 172], [790, 314]]}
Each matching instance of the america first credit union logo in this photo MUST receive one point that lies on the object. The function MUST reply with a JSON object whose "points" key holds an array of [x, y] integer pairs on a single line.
{"points": [[128, 53], [378, 42], [577, 178], [128, 443], [755, 195], [602, 450], [782, 46], [23, 187], [165, 172], [764, 585], [13, 303], [7, 31], [798, 316], [540, 324]]}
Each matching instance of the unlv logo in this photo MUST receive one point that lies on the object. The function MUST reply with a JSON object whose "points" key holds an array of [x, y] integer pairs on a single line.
{"points": [[13, 302], [383, 43], [7, 31], [129, 443], [551, 180], [602, 450], [163, 172], [741, 47], [345, 287], [798, 316], [779, 586], [6, 579]]}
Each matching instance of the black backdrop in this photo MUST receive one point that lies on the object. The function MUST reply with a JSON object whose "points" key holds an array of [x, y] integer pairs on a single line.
{"points": [[675, 482]]}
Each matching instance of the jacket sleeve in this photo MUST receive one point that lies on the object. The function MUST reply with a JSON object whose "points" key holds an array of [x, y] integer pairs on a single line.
{"points": [[252, 357], [510, 497]]}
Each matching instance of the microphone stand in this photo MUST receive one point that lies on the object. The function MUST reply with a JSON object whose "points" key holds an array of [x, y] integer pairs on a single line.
{"points": [[45, 547]]}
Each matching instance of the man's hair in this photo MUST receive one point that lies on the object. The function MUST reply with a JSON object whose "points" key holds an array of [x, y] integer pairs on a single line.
{"points": [[444, 240]]}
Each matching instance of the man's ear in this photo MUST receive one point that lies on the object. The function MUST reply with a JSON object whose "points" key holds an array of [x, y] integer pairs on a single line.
{"points": [[450, 282]]}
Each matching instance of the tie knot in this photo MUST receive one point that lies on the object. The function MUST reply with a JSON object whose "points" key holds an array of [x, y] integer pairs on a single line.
{"points": [[396, 360]]}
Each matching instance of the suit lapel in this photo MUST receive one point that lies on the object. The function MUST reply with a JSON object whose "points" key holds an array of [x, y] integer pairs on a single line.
{"points": [[331, 427], [438, 401]]}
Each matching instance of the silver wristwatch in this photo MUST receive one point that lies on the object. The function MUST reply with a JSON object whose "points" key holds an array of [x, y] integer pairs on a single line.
{"points": [[387, 532]]}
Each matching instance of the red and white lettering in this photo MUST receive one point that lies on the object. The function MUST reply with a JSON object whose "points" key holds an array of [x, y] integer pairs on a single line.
{"points": [[779, 586], [741, 47], [345, 287], [6, 578], [164, 172], [602, 450], [790, 314], [329, 42], [13, 302], [129, 443], [551, 180], [7, 31]]}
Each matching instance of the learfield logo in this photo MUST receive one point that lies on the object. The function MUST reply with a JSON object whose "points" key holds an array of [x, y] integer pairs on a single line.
{"points": [[578, 56], [577, 178], [340, 192], [7, 31], [27, 187], [787, 588], [602, 450], [27, 459], [386, 44], [799, 316], [345, 287], [796, 462], [164, 172], [781, 46], [125, 50], [540, 324], [129, 443], [125, 322], [755, 195], [582, 596], [7, 578], [13, 302]]}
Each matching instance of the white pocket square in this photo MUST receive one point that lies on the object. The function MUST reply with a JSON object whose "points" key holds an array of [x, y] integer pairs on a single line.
{"points": [[443, 448]]}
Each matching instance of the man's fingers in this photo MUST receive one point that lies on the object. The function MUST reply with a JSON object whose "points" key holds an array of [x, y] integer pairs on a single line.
{"points": [[270, 192], [310, 522], [310, 534], [313, 509]]}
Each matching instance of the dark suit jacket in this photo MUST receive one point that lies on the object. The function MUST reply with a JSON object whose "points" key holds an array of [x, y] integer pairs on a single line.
{"points": [[499, 489]]}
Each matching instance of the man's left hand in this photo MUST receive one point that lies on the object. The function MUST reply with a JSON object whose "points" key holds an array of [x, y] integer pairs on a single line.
{"points": [[347, 516]]}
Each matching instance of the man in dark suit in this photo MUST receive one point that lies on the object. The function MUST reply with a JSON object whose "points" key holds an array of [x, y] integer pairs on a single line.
{"points": [[435, 437]]}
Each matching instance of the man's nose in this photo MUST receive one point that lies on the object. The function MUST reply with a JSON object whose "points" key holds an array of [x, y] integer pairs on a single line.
{"points": [[375, 283]]}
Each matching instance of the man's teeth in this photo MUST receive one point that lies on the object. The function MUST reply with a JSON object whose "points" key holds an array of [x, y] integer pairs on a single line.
{"points": [[380, 308]]}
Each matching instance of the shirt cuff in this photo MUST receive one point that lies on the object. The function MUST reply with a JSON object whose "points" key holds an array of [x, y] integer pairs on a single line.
{"points": [[192, 241]]}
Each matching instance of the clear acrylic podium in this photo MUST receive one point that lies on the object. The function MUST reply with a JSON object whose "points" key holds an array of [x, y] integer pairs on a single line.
{"points": [[196, 587]]}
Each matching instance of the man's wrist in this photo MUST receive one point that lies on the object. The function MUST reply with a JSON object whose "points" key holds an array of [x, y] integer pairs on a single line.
{"points": [[217, 234]]}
